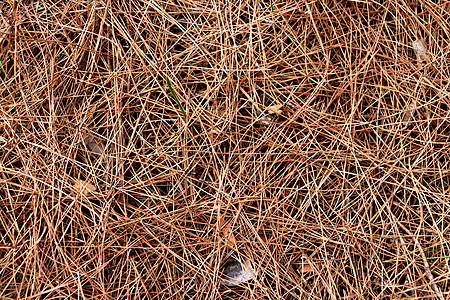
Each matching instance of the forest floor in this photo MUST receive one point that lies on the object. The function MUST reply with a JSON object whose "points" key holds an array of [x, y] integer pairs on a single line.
{"points": [[146, 146]]}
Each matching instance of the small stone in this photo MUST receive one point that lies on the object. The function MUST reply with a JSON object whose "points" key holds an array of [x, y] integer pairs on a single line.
{"points": [[266, 120], [420, 50], [235, 272]]}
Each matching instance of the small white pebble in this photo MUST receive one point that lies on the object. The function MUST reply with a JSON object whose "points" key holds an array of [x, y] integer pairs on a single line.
{"points": [[236, 273], [420, 50]]}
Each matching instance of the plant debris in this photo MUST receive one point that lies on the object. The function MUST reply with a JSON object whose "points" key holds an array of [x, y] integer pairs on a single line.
{"points": [[420, 50], [408, 114], [306, 266], [293, 135], [84, 187], [275, 109], [228, 234], [265, 120], [94, 145]]}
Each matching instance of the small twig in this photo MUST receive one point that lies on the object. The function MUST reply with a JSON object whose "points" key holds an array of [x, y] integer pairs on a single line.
{"points": [[425, 262]]}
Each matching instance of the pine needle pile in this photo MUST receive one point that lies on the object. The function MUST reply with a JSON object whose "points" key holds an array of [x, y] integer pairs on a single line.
{"points": [[146, 145]]}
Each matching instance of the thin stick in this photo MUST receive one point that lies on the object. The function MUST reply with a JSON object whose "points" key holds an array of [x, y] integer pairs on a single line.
{"points": [[425, 262]]}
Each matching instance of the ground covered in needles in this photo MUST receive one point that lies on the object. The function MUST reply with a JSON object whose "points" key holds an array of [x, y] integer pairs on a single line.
{"points": [[146, 145]]}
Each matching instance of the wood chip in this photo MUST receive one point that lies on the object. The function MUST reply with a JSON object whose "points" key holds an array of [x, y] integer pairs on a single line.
{"points": [[275, 109], [84, 188]]}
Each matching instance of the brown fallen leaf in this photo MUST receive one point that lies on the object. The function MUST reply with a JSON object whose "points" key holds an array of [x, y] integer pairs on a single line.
{"points": [[306, 266], [263, 237], [84, 187], [408, 115], [275, 109], [94, 145], [228, 234]]}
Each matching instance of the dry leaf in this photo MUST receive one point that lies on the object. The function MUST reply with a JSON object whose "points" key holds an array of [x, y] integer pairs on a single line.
{"points": [[84, 187], [275, 109], [420, 50], [263, 237], [228, 234], [94, 145], [235, 272], [306, 266], [409, 113]]}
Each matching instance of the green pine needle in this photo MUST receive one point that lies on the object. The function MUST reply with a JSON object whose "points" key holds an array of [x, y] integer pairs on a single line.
{"points": [[175, 97], [415, 251], [3, 69]]}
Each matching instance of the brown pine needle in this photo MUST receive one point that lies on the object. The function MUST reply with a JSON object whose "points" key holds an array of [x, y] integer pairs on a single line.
{"points": [[228, 234], [315, 128]]}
